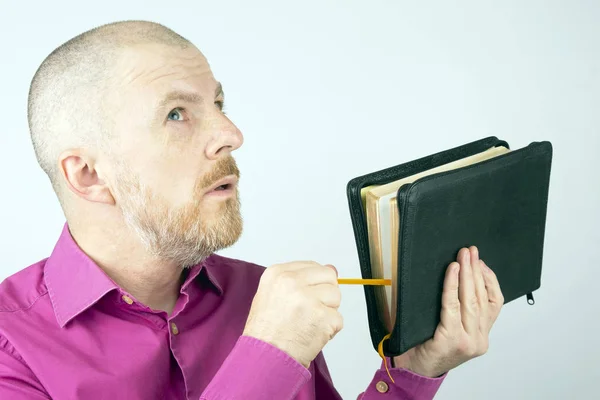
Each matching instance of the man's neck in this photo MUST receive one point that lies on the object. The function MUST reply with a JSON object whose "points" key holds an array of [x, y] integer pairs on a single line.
{"points": [[154, 283]]}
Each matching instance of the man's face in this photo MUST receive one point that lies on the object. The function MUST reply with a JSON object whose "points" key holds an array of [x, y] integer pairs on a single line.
{"points": [[173, 146]]}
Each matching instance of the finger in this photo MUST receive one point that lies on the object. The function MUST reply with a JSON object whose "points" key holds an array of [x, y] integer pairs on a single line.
{"points": [[327, 294], [450, 314], [495, 296], [317, 275], [469, 308], [297, 265], [334, 268], [480, 291]]}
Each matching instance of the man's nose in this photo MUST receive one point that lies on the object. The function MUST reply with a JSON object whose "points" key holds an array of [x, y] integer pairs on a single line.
{"points": [[225, 137]]}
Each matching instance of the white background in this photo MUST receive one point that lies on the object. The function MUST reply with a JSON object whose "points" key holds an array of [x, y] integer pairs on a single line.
{"points": [[326, 91]]}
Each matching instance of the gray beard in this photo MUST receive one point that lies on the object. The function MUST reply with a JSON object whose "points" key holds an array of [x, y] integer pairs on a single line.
{"points": [[164, 237]]}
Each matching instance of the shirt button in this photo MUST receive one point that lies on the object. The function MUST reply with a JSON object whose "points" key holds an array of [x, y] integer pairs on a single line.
{"points": [[174, 329], [382, 387], [127, 299]]}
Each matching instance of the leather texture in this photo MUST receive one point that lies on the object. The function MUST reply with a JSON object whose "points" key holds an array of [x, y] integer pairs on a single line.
{"points": [[499, 205]]}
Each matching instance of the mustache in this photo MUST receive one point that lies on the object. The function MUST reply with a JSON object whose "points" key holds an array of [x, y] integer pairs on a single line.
{"points": [[223, 168]]}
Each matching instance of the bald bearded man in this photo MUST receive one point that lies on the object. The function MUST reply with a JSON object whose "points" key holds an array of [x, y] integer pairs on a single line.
{"points": [[133, 303]]}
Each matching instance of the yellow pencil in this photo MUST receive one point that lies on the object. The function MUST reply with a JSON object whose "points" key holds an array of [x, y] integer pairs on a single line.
{"points": [[351, 281]]}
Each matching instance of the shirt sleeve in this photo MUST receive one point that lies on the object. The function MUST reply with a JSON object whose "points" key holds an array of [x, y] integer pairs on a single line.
{"points": [[407, 385], [257, 370], [17, 382]]}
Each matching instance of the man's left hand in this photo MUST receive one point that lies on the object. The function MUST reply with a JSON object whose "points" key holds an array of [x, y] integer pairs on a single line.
{"points": [[471, 302]]}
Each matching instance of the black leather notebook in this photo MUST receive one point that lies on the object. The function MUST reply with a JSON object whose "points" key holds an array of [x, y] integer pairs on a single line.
{"points": [[410, 221]]}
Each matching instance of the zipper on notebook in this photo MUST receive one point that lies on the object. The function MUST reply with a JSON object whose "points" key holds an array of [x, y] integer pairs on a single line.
{"points": [[530, 299]]}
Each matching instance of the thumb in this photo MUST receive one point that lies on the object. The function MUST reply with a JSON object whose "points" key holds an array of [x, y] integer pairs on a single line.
{"points": [[334, 268]]}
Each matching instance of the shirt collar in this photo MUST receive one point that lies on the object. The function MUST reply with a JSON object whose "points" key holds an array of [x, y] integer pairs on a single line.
{"points": [[75, 282]]}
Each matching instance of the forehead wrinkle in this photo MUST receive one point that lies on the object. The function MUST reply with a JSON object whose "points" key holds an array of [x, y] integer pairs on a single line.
{"points": [[165, 75], [155, 65], [154, 75], [131, 73], [138, 71]]}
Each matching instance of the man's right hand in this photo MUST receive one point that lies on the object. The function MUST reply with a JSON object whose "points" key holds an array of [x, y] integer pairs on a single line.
{"points": [[296, 309]]}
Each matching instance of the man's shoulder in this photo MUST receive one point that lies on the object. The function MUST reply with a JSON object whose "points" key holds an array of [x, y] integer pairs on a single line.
{"points": [[22, 289]]}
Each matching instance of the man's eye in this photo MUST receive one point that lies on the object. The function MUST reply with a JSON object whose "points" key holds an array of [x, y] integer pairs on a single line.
{"points": [[175, 115], [221, 105]]}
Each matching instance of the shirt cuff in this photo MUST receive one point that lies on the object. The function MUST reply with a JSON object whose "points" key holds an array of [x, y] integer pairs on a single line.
{"points": [[257, 370], [407, 384]]}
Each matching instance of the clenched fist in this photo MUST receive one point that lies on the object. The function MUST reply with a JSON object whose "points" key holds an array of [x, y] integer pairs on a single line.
{"points": [[296, 309]]}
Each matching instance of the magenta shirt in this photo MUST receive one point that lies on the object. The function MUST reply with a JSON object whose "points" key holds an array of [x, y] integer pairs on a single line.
{"points": [[67, 331]]}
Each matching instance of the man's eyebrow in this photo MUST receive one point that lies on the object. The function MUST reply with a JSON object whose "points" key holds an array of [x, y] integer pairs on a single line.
{"points": [[188, 97]]}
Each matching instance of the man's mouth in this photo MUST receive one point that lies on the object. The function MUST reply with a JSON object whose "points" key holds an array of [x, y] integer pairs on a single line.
{"points": [[224, 186]]}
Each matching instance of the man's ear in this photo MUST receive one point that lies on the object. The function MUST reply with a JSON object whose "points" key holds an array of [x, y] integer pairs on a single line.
{"points": [[78, 168]]}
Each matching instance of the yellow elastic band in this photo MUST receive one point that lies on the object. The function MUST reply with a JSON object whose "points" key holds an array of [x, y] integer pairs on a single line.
{"points": [[380, 351]]}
